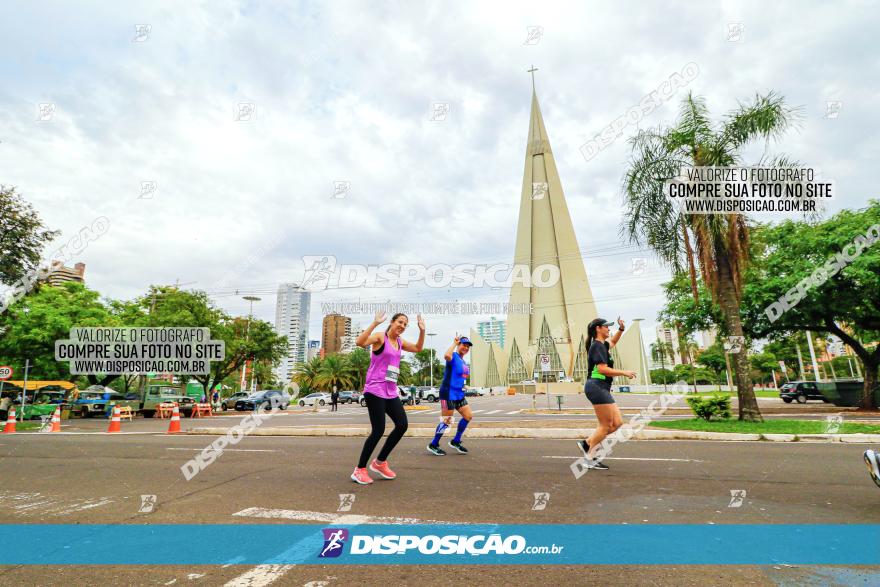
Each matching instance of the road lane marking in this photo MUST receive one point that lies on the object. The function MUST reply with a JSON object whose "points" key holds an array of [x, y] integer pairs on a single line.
{"points": [[228, 449], [309, 516], [628, 459], [262, 575], [43, 505], [492, 412], [512, 413]]}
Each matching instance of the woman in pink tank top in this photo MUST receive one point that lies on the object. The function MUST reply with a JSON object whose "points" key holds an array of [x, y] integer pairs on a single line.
{"points": [[380, 391]]}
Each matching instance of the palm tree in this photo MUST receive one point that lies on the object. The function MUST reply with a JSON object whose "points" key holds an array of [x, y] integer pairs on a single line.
{"points": [[718, 243], [359, 361], [305, 375], [406, 373], [660, 351], [334, 371]]}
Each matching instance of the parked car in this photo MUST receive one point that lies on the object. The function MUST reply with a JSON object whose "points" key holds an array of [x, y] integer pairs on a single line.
{"points": [[428, 393], [262, 400], [321, 398], [99, 401], [349, 397], [406, 397], [800, 391], [474, 392], [159, 393], [228, 403]]}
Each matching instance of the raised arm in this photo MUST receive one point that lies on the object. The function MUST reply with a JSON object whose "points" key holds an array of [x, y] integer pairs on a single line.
{"points": [[414, 348], [367, 336], [618, 334], [450, 350]]}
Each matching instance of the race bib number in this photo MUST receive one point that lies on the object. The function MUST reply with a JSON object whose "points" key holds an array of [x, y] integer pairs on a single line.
{"points": [[392, 374]]}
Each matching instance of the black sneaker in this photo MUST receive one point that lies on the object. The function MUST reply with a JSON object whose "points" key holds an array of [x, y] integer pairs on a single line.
{"points": [[436, 450], [458, 446], [585, 448], [597, 465]]}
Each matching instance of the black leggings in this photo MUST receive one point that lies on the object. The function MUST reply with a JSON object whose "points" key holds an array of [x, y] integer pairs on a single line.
{"points": [[378, 407]]}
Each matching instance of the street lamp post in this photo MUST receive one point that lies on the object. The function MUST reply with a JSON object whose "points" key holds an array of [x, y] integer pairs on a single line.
{"points": [[432, 357], [247, 333]]}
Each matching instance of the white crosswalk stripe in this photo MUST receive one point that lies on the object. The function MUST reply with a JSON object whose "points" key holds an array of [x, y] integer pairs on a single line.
{"points": [[492, 412], [512, 413]]}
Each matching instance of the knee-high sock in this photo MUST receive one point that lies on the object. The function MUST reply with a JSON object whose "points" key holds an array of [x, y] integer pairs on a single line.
{"points": [[441, 428], [462, 424]]}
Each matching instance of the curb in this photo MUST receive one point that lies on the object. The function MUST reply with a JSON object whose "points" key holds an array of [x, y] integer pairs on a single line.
{"points": [[556, 433]]}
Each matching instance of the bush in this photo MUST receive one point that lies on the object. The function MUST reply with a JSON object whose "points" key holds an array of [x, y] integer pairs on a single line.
{"points": [[715, 406]]}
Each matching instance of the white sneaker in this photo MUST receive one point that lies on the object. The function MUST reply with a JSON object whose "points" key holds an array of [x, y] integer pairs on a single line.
{"points": [[873, 466]]}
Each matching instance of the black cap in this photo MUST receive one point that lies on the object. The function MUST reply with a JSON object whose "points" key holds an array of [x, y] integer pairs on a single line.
{"points": [[597, 323]]}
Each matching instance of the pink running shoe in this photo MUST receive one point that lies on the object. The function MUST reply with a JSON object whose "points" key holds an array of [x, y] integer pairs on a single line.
{"points": [[361, 476], [382, 469]]}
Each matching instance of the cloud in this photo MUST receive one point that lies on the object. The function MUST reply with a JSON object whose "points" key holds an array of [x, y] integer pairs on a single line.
{"points": [[345, 91]]}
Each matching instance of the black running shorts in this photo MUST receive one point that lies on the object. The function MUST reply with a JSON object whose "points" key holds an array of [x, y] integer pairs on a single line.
{"points": [[452, 404], [597, 393]]}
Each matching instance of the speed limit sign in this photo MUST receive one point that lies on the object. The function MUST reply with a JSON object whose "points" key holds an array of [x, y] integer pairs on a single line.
{"points": [[545, 363], [5, 372]]}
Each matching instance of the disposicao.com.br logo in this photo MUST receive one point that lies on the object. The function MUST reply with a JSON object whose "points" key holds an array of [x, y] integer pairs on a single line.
{"points": [[476, 545]]}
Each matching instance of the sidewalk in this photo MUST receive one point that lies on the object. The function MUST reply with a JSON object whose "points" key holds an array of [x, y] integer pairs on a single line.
{"points": [[568, 432]]}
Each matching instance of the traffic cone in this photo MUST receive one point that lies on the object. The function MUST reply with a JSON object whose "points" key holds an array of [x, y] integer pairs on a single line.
{"points": [[56, 420], [115, 421], [174, 424], [10, 422]]}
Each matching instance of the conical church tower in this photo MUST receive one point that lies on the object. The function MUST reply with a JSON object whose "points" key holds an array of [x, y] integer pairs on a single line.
{"points": [[545, 236]]}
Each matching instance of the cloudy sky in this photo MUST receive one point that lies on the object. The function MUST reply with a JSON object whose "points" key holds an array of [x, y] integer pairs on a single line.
{"points": [[345, 92]]}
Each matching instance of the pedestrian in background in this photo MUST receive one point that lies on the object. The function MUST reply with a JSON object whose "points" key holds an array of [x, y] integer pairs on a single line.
{"points": [[334, 400], [5, 402]]}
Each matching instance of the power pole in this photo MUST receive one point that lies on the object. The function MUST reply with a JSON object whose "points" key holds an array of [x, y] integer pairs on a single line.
{"points": [[813, 356]]}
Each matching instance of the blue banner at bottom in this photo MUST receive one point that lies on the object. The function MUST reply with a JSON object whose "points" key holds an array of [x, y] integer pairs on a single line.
{"points": [[562, 544]]}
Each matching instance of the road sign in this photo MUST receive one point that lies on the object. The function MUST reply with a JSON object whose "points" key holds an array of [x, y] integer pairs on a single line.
{"points": [[545, 363], [5, 373]]}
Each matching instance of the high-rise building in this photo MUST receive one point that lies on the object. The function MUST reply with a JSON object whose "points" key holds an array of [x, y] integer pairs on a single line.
{"points": [[492, 330], [336, 331], [60, 274], [669, 337], [292, 322], [314, 350]]}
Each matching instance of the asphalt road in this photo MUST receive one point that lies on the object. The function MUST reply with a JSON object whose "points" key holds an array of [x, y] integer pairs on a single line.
{"points": [[100, 479]]}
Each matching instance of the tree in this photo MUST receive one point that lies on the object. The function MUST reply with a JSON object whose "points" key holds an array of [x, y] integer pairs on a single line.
{"points": [[823, 277], [717, 243], [244, 338], [763, 364], [33, 324], [663, 353], [334, 371], [306, 374], [22, 236], [662, 376], [713, 358], [359, 361], [421, 364]]}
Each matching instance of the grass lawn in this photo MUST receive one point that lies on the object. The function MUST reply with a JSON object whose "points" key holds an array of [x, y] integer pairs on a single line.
{"points": [[28, 425], [758, 393], [767, 427]]}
